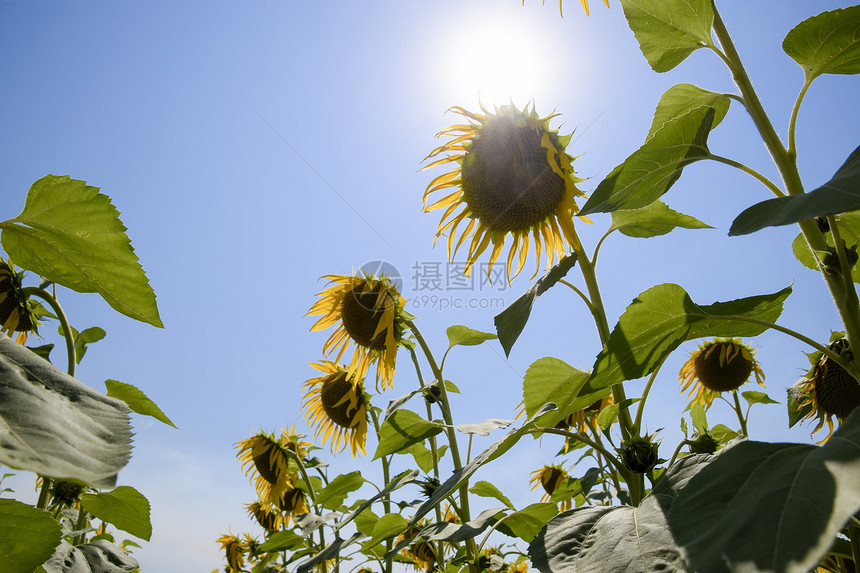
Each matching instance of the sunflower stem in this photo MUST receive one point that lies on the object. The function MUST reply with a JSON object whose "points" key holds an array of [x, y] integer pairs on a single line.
{"points": [[64, 322], [42, 503], [386, 500], [585, 440], [638, 422], [739, 411], [464, 513], [844, 297]]}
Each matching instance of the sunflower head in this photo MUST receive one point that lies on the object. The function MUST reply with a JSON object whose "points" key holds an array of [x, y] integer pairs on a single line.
{"points": [[370, 313], [292, 503], [17, 312], [264, 458], [513, 176], [234, 552], [420, 553], [550, 478], [266, 515], [66, 493], [334, 404], [640, 454], [828, 390], [721, 365]]}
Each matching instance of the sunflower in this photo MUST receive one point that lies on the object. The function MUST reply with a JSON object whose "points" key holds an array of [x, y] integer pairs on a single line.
{"points": [[371, 316], [513, 177], [421, 552], [234, 552], [334, 403], [292, 503], [583, 2], [828, 390], [264, 457], [721, 365], [266, 515], [551, 478], [16, 314]]}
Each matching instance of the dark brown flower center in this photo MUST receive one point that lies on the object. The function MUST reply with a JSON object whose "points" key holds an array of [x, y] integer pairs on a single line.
{"points": [[361, 311], [722, 375], [336, 388], [836, 391], [506, 179], [266, 461], [550, 479], [292, 501]]}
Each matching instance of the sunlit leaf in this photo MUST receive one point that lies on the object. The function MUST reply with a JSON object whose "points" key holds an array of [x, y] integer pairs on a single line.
{"points": [[396, 483], [511, 321], [615, 539], [527, 522], [402, 429], [281, 541], [770, 507], [465, 336], [28, 536], [669, 30], [485, 428], [451, 532], [331, 551], [664, 316], [753, 397], [136, 400], [839, 195], [552, 380], [71, 234], [332, 496], [486, 489], [652, 220], [651, 170], [826, 44], [124, 507], [55, 426], [387, 526], [849, 231], [99, 556]]}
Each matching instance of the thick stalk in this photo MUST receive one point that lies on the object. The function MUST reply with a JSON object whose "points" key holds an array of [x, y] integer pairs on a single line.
{"points": [[64, 322], [386, 501], [846, 300], [739, 410], [444, 403]]}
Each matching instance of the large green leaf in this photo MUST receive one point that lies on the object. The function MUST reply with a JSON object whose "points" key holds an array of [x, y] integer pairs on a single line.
{"points": [[71, 234], [615, 539], [511, 321], [465, 336], [387, 526], [849, 231], [652, 220], [678, 136], [99, 556], [28, 536], [552, 380], [664, 316], [54, 425], [402, 429], [527, 522], [839, 195], [669, 30], [770, 507], [136, 400], [281, 541], [826, 44], [330, 552], [486, 489], [125, 507], [336, 491], [396, 483]]}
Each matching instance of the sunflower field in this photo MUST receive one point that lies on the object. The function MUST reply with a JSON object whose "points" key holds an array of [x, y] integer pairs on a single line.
{"points": [[502, 183]]}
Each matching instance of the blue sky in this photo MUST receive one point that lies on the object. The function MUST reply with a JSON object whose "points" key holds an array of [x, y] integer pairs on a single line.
{"points": [[254, 147]]}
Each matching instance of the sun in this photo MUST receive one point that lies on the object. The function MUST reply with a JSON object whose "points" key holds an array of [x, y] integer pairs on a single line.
{"points": [[497, 57]]}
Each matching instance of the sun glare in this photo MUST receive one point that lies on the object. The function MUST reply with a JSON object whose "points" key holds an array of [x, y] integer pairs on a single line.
{"points": [[498, 59]]}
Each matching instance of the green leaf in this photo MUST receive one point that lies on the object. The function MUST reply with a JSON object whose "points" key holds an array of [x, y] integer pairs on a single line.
{"points": [[396, 483], [99, 556], [486, 489], [125, 507], [43, 351], [652, 220], [55, 426], [71, 234], [281, 541], [495, 450], [826, 44], [663, 317], [795, 412], [839, 195], [336, 491], [330, 552], [28, 536], [451, 532], [465, 336], [402, 429], [849, 231], [616, 539], [723, 434], [366, 521], [87, 336], [607, 416], [753, 397], [511, 321], [553, 380], [669, 30], [528, 522], [136, 400], [683, 120], [770, 507], [699, 418], [387, 526]]}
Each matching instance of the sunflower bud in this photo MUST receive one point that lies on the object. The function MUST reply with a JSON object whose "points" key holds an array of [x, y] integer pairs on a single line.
{"points": [[704, 444], [640, 454]]}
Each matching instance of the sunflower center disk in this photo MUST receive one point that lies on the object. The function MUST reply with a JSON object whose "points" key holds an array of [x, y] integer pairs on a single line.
{"points": [[506, 179], [361, 313], [836, 390], [722, 376], [333, 390]]}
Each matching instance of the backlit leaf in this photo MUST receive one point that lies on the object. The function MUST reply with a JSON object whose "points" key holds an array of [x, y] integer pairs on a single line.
{"points": [[336, 491], [54, 425], [553, 380], [71, 234], [849, 231], [486, 489], [465, 336], [124, 507], [28, 536], [826, 44], [136, 400], [652, 220], [527, 522], [402, 429]]}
